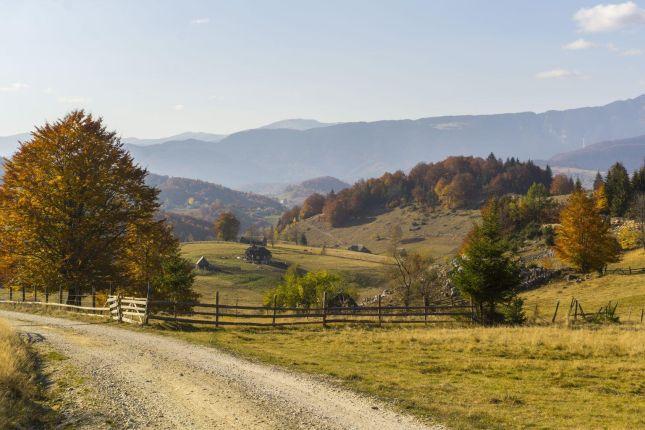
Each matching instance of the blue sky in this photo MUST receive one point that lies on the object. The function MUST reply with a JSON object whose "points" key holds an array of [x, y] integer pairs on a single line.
{"points": [[155, 68]]}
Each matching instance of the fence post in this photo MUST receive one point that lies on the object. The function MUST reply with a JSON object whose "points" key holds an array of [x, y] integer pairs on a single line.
{"points": [[324, 317], [46, 295], [557, 305], [425, 310], [642, 310], [275, 303], [93, 296], [217, 308], [60, 294], [10, 294], [35, 294], [147, 311], [575, 314], [23, 293], [119, 311], [380, 315]]}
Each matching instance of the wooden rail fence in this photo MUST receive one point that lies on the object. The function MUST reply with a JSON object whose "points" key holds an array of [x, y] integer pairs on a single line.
{"points": [[625, 271]]}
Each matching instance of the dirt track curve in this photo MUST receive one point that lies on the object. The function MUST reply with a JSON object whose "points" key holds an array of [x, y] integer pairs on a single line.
{"points": [[145, 380]]}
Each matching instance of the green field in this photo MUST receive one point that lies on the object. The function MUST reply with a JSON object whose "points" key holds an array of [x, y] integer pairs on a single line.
{"points": [[239, 281]]}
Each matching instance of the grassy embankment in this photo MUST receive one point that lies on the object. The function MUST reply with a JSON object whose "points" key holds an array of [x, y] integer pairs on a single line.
{"points": [[597, 291], [248, 282], [20, 392]]}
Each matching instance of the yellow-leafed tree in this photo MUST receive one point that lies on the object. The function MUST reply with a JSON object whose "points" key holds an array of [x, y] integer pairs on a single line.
{"points": [[584, 239], [73, 207]]}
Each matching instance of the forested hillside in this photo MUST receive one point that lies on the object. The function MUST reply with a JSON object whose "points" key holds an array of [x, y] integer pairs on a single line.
{"points": [[455, 183]]}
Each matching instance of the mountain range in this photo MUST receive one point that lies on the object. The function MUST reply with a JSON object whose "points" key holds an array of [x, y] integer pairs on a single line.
{"points": [[351, 151], [294, 150], [600, 156]]}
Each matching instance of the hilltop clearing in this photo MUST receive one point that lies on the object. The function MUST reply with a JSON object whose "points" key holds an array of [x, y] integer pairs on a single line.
{"points": [[245, 282], [438, 233]]}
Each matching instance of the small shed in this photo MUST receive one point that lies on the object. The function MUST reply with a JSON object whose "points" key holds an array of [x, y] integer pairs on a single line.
{"points": [[204, 265], [257, 254], [359, 248]]}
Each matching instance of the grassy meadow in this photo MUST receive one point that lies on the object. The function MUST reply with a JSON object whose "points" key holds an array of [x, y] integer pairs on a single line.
{"points": [[525, 377], [19, 389], [246, 283], [594, 292]]}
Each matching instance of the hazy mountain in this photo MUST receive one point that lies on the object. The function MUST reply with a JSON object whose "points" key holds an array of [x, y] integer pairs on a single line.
{"points": [[205, 137], [9, 144], [204, 201], [295, 194], [297, 124], [600, 156], [357, 150]]}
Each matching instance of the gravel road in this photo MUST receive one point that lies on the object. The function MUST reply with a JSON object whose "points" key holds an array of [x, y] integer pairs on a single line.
{"points": [[145, 380]]}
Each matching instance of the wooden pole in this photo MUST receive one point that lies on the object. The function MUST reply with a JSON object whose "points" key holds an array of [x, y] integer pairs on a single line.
{"points": [[425, 310], [23, 293], [557, 305], [575, 315], [324, 317], [147, 312], [10, 294], [60, 294], [35, 294], [380, 315], [275, 302], [93, 296], [217, 308], [642, 310], [119, 311], [46, 295]]}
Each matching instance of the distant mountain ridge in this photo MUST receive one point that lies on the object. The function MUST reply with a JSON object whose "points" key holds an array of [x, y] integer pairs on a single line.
{"points": [[600, 156], [351, 151], [298, 124]]}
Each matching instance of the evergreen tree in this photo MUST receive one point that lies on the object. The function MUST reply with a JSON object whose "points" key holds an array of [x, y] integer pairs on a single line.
{"points": [[638, 180], [598, 181], [618, 190], [584, 239], [484, 272]]}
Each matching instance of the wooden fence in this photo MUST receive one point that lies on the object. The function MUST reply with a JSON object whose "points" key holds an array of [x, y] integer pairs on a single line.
{"points": [[218, 314], [625, 271]]}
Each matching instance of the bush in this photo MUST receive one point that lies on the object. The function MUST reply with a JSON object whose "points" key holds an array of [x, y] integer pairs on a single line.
{"points": [[513, 312], [549, 235]]}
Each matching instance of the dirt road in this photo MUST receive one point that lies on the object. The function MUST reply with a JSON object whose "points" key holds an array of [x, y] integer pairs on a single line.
{"points": [[144, 380]]}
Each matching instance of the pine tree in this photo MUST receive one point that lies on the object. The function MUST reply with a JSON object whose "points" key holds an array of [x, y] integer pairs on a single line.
{"points": [[638, 180], [583, 238], [484, 272], [618, 190], [598, 181]]}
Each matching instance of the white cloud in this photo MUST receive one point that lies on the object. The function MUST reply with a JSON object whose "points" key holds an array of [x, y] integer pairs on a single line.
{"points": [[609, 17], [73, 99], [48, 90], [16, 86], [631, 53], [579, 44], [558, 74], [200, 21], [178, 107]]}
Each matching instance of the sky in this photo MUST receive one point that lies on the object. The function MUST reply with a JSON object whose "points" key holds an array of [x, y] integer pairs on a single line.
{"points": [[155, 68]]}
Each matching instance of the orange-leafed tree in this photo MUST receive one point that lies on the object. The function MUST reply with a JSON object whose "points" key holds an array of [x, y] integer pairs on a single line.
{"points": [[313, 205], [561, 184], [227, 226], [71, 203], [584, 239]]}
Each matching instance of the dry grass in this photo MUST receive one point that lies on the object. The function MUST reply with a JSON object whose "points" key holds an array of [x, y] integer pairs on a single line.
{"points": [[532, 377], [18, 387], [627, 290]]}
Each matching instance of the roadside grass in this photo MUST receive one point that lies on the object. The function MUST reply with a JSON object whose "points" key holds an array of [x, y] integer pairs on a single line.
{"points": [[592, 293], [20, 391], [525, 377]]}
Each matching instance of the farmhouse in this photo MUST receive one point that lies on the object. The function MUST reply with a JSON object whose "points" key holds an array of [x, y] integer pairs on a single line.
{"points": [[257, 254], [204, 265]]}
